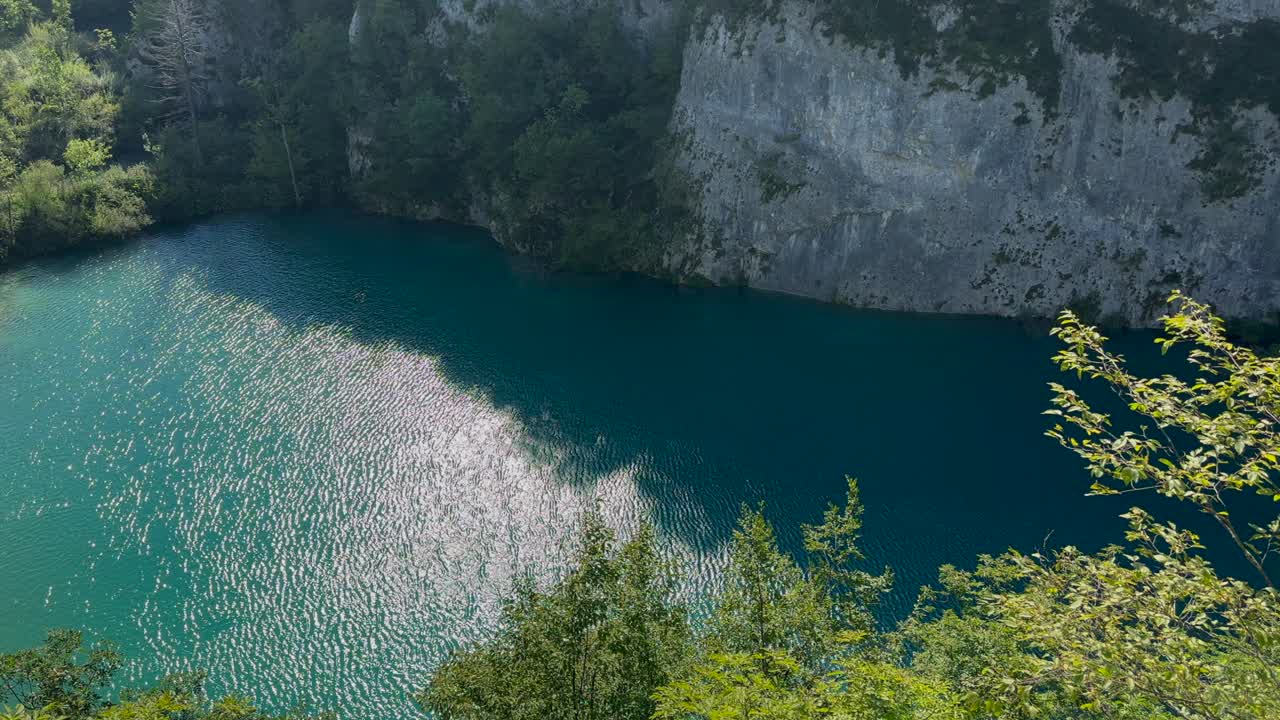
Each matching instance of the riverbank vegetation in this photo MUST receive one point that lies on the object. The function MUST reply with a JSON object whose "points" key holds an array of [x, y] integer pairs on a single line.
{"points": [[549, 123], [1144, 629], [58, 112]]}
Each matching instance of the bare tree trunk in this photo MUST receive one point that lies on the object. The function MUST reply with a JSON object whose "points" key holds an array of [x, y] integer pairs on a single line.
{"points": [[188, 89], [13, 227], [174, 47], [293, 178], [195, 128]]}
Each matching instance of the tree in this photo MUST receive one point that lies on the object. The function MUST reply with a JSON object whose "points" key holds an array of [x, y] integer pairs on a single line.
{"points": [[40, 208], [15, 15], [773, 686], [66, 681], [115, 201], [61, 674], [1209, 438], [266, 142], [84, 156], [740, 686], [1146, 629], [834, 556], [172, 39], [300, 133], [22, 713], [772, 604], [787, 641], [595, 646], [316, 97], [49, 96], [768, 604], [60, 10]]}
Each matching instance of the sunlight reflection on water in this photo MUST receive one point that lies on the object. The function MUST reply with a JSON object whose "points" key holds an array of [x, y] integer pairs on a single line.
{"points": [[310, 454], [301, 490]]}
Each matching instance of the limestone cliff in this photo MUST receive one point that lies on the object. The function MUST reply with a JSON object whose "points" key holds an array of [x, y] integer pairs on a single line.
{"points": [[828, 170], [827, 173]]}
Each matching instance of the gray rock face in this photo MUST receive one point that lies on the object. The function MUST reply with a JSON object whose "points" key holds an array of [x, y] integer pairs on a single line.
{"points": [[1221, 11], [822, 171], [825, 173]]}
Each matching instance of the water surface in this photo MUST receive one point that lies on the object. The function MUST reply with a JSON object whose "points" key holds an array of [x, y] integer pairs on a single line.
{"points": [[309, 453]]}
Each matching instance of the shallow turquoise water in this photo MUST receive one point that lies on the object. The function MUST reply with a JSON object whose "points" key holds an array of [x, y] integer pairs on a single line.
{"points": [[309, 453]]}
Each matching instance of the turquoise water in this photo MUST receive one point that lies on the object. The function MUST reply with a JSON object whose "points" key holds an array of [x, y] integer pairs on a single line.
{"points": [[309, 453]]}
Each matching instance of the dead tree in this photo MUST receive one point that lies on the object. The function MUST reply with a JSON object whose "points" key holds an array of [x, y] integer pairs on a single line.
{"points": [[173, 43]]}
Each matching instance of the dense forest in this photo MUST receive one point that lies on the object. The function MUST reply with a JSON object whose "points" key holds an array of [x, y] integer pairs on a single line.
{"points": [[117, 117], [549, 123], [1144, 629]]}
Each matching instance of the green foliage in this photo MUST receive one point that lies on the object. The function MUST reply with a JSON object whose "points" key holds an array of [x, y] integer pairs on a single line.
{"points": [[409, 112], [551, 122], [771, 604], [308, 11], [281, 136], [21, 712], [555, 125], [1146, 629], [740, 686], [188, 185], [596, 645], [609, 641], [787, 641], [46, 209], [110, 15], [117, 200], [60, 13], [1208, 439], [768, 603], [67, 681], [299, 136], [86, 155], [55, 107], [834, 565], [772, 685], [15, 16], [50, 96], [60, 675], [313, 104]]}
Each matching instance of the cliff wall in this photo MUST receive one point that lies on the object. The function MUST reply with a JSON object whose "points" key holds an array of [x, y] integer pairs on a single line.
{"points": [[826, 172], [837, 171]]}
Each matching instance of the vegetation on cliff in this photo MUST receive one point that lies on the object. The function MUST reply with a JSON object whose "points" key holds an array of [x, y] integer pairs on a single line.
{"points": [[552, 125], [58, 113]]}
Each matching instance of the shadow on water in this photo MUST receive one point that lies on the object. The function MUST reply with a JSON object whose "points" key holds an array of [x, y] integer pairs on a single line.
{"points": [[711, 398]]}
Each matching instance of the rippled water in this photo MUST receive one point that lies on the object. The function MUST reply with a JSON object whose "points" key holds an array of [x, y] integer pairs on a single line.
{"points": [[309, 453]]}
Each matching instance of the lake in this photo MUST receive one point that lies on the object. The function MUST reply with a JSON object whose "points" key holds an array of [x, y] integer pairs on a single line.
{"points": [[309, 453]]}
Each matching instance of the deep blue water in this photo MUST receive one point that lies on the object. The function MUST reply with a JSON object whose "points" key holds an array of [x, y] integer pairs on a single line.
{"points": [[308, 453]]}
